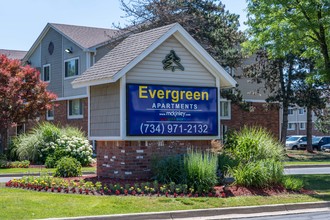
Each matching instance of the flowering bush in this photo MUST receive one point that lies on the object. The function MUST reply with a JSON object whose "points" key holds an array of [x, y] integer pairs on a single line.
{"points": [[54, 184], [75, 147]]}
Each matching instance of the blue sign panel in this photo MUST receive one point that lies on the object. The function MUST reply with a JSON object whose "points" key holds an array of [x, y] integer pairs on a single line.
{"points": [[154, 110]]}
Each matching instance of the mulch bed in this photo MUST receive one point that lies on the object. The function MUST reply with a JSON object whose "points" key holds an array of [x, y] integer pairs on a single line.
{"points": [[230, 191]]}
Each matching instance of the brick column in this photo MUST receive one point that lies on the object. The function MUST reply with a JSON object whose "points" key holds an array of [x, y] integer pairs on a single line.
{"points": [[132, 159]]}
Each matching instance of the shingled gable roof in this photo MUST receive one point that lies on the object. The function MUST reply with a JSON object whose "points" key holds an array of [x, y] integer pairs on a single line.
{"points": [[87, 38], [13, 54], [136, 47]]}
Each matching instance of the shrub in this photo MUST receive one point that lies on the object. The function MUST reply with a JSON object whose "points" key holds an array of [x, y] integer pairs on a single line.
{"points": [[4, 163], [168, 169], [68, 167], [75, 147], [20, 164], [29, 146], [252, 144], [47, 139], [259, 156], [200, 169], [294, 184], [225, 162], [50, 162], [263, 173]]}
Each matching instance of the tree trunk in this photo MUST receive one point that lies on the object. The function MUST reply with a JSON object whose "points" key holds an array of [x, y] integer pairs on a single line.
{"points": [[4, 140], [309, 146], [284, 129]]}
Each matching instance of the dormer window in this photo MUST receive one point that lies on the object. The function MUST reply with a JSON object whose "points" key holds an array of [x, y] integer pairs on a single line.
{"points": [[71, 67], [46, 73]]}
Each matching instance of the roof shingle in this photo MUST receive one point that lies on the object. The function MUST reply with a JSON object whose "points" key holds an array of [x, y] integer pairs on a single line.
{"points": [[122, 55], [13, 54], [86, 37]]}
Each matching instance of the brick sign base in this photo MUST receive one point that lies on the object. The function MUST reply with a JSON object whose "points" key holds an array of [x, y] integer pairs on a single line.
{"points": [[131, 160]]}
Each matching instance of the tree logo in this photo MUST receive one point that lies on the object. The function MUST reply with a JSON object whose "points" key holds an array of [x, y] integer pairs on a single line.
{"points": [[172, 62]]}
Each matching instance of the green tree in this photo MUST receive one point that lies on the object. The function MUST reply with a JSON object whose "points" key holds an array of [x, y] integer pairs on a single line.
{"points": [[288, 25], [23, 96], [215, 28]]}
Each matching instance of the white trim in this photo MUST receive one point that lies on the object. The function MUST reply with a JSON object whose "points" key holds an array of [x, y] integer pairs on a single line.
{"points": [[203, 56], [123, 118], [292, 111], [255, 100], [89, 111], [188, 42], [49, 72], [71, 97], [217, 82], [50, 118], [79, 69], [88, 60], [302, 110], [153, 138], [292, 129], [229, 110], [300, 128], [23, 129], [74, 116]]}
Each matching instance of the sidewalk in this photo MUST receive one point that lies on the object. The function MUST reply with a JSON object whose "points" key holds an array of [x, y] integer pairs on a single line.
{"points": [[219, 213]]}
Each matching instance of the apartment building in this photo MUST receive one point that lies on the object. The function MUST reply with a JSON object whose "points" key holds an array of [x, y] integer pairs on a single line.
{"points": [[63, 52]]}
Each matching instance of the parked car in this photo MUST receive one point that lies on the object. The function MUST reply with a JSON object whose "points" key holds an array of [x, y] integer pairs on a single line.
{"points": [[293, 142], [315, 141], [322, 141], [325, 148]]}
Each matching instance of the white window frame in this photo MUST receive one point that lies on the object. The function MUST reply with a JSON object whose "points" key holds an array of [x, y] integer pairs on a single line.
{"points": [[50, 118], [290, 110], [43, 72], [303, 111], [293, 127], [22, 128], [75, 116], [222, 106], [74, 76], [302, 128]]}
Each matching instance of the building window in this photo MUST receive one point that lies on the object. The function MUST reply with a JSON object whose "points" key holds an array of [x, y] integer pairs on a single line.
{"points": [[71, 67], [46, 73], [225, 109], [302, 126], [50, 114], [301, 111], [291, 126], [20, 129], [75, 108], [290, 111]]}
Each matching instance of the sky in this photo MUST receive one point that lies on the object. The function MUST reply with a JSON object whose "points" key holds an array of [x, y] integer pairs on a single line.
{"points": [[22, 21]]}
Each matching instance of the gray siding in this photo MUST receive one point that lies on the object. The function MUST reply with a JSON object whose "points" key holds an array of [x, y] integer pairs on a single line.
{"points": [[249, 90], [105, 110], [101, 51], [150, 70], [81, 55], [55, 60], [35, 58]]}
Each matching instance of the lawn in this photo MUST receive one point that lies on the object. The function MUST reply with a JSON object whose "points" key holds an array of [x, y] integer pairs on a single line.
{"points": [[26, 204], [300, 157], [37, 170], [318, 182]]}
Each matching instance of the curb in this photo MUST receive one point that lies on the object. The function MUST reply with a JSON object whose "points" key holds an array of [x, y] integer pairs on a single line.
{"points": [[35, 174], [307, 166], [219, 212]]}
